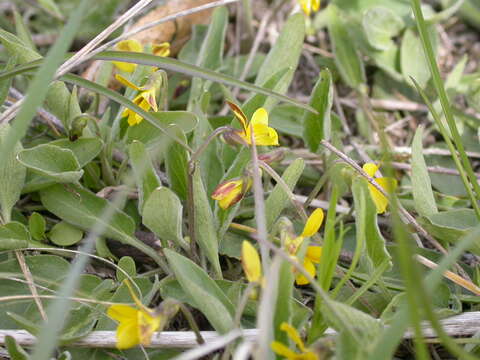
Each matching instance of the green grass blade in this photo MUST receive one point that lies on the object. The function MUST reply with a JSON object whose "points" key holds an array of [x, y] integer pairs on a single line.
{"points": [[167, 63], [442, 94]]}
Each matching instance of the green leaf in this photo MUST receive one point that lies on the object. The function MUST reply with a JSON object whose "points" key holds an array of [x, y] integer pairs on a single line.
{"points": [[144, 172], [203, 292], [278, 198], [22, 30], [174, 65], [64, 234], [421, 185], [6, 84], [127, 264], [283, 306], [170, 121], [316, 127], [412, 59], [53, 162], [12, 177], [37, 226], [347, 59], [61, 103], [16, 47], [13, 235], [366, 329], [84, 209], [176, 163], [205, 232], [15, 351], [290, 41], [452, 225], [162, 214], [369, 237], [85, 149], [380, 25]]}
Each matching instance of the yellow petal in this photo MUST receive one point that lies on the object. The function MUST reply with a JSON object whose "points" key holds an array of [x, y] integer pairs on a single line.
{"points": [[306, 6], [310, 268], [313, 223], [127, 83], [149, 96], [162, 49], [264, 135], [251, 262], [122, 312], [315, 5], [239, 114], [370, 169], [129, 45], [147, 325], [127, 335], [283, 350], [260, 116], [314, 253], [381, 202], [228, 193], [293, 335]]}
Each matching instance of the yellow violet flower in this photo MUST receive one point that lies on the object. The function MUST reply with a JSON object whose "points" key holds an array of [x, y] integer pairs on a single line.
{"points": [[313, 253], [145, 99], [251, 262], [388, 184], [263, 134], [127, 45], [230, 192], [309, 5], [136, 325], [286, 352]]}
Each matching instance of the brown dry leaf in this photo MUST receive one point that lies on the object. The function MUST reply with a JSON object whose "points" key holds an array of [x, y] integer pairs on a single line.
{"points": [[175, 32]]}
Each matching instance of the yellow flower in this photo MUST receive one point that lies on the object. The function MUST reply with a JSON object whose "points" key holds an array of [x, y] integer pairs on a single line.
{"points": [[136, 325], [264, 135], [283, 350], [251, 263], [309, 5], [162, 49], [313, 253], [145, 99], [133, 45], [230, 192], [127, 45], [388, 184]]}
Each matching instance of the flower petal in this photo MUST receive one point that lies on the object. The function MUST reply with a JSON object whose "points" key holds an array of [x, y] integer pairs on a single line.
{"points": [[313, 223], [370, 169], [314, 253], [381, 202], [122, 312], [260, 116], [293, 335], [228, 193], [315, 5], [283, 350], [147, 325], [127, 335], [239, 114], [129, 45], [306, 6], [310, 268], [126, 82], [162, 49], [251, 262]]}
